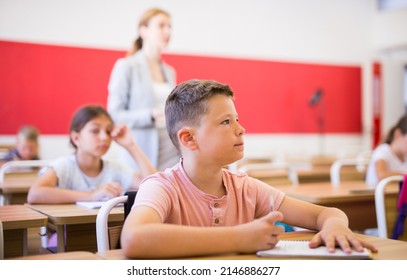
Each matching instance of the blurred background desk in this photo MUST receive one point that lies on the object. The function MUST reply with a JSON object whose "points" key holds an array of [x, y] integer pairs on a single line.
{"points": [[77, 222], [311, 174], [355, 198], [15, 182], [14, 192], [16, 220]]}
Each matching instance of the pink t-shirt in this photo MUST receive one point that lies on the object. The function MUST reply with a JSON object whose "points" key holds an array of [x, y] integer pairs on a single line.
{"points": [[178, 201]]}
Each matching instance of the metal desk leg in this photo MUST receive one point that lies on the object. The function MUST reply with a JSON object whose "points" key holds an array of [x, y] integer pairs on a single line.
{"points": [[61, 238]]}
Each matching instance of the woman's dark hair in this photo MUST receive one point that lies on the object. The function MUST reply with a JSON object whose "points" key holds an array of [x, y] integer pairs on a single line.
{"points": [[401, 124], [84, 115]]}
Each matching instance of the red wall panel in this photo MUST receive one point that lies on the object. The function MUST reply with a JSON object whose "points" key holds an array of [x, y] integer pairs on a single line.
{"points": [[43, 85]]}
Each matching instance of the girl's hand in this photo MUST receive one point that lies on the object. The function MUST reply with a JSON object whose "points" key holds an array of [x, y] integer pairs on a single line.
{"points": [[107, 191], [121, 134]]}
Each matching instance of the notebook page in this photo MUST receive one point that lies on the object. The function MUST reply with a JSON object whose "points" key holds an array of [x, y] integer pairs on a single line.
{"points": [[93, 204], [300, 248]]}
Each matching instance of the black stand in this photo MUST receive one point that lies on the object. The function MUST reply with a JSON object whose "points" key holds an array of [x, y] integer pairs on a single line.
{"points": [[316, 101]]}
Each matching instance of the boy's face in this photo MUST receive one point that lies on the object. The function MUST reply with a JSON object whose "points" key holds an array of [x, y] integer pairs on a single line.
{"points": [[27, 149], [94, 138], [220, 136]]}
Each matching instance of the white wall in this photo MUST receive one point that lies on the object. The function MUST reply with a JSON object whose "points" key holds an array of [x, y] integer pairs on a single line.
{"points": [[344, 32]]}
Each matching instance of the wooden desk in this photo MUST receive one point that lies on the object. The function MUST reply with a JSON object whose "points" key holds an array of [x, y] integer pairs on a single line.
{"points": [[388, 249], [355, 198], [16, 184], [16, 220], [14, 192], [78, 223], [313, 174], [76, 255], [20, 174]]}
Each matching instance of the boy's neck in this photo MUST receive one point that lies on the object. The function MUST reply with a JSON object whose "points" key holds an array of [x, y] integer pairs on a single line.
{"points": [[205, 178]]}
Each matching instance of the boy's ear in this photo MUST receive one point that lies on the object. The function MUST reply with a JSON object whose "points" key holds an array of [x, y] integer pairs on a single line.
{"points": [[186, 138]]}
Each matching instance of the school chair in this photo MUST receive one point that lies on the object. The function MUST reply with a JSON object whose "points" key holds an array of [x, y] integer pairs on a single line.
{"points": [[386, 217], [359, 164], [1, 241], [289, 170], [20, 166], [108, 238], [22, 169]]}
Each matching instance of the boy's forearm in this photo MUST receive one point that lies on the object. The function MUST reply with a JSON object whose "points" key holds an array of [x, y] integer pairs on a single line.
{"points": [[331, 214], [166, 240]]}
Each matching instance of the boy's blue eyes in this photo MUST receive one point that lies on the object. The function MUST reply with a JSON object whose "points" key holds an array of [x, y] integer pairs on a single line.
{"points": [[228, 121]]}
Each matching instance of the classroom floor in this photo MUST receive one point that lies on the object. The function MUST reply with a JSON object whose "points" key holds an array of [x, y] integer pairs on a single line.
{"points": [[34, 242]]}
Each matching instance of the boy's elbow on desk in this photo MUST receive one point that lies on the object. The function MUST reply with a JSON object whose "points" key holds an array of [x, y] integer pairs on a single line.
{"points": [[132, 244]]}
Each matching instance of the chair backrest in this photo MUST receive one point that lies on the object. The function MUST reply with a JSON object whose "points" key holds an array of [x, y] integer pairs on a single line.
{"points": [[360, 165], [1, 241], [109, 237], [289, 169], [381, 216], [22, 165]]}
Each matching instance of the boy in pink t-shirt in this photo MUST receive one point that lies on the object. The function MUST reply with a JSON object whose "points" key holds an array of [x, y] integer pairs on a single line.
{"points": [[199, 208]]}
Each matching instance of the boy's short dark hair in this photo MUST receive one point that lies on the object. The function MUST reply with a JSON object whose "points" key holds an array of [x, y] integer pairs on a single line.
{"points": [[188, 102]]}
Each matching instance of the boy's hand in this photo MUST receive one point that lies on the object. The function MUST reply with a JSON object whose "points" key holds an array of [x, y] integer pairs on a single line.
{"points": [[261, 234], [337, 234]]}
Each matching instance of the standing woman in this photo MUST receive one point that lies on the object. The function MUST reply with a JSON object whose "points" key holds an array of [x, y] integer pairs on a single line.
{"points": [[138, 88]]}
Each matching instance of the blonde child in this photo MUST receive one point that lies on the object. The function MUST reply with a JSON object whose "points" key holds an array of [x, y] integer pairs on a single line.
{"points": [[199, 208], [26, 147], [85, 175]]}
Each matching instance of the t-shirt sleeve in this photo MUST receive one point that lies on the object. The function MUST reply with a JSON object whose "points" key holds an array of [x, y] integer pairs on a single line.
{"points": [[62, 171], [153, 194]]}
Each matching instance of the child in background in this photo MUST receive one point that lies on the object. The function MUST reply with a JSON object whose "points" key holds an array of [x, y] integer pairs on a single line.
{"points": [[390, 157], [199, 208], [85, 176], [26, 147]]}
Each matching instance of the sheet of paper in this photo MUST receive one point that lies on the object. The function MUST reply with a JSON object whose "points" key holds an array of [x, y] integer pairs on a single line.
{"points": [[93, 204], [300, 248]]}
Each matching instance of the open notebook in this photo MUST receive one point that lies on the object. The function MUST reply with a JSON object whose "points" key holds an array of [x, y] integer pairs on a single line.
{"points": [[93, 204], [300, 248]]}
